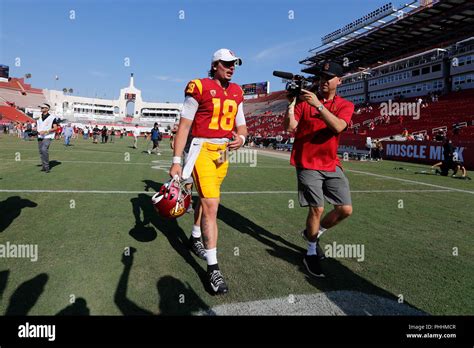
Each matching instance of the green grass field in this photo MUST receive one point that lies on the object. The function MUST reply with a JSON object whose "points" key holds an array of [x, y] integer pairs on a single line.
{"points": [[81, 235]]}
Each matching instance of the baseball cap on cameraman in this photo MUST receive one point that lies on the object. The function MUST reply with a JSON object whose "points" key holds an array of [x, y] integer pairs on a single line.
{"points": [[225, 55], [329, 69]]}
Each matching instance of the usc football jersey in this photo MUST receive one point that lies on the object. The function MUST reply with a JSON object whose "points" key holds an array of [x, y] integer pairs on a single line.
{"points": [[215, 117]]}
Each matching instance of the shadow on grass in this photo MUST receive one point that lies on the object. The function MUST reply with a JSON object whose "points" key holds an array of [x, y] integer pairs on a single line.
{"points": [[52, 164], [26, 295], [79, 307], [11, 208], [338, 277], [141, 232], [175, 298], [3, 282]]}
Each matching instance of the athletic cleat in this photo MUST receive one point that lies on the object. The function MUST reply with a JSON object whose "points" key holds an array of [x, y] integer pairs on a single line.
{"points": [[313, 266], [217, 282], [197, 247], [319, 250], [149, 152]]}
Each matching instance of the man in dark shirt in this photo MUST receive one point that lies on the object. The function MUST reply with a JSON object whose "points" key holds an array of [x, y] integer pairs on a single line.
{"points": [[95, 134], [104, 135], [155, 138]]}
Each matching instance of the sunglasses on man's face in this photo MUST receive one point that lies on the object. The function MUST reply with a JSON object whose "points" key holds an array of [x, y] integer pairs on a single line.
{"points": [[229, 64]]}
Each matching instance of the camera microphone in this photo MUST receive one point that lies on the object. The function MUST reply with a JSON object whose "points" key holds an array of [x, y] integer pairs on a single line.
{"points": [[283, 75]]}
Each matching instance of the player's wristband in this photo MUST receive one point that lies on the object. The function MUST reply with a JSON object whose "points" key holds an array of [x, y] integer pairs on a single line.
{"points": [[243, 138], [176, 160]]}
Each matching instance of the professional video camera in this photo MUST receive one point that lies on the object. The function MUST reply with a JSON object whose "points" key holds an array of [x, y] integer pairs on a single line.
{"points": [[295, 84]]}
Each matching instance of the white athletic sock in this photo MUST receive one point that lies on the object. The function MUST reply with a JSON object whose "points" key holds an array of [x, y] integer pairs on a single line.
{"points": [[321, 231], [211, 256], [196, 231], [311, 248]]}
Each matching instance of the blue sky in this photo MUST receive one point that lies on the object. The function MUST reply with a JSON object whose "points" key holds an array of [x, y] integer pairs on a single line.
{"points": [[88, 52]]}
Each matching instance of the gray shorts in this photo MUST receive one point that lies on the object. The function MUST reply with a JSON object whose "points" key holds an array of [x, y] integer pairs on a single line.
{"points": [[315, 185]]}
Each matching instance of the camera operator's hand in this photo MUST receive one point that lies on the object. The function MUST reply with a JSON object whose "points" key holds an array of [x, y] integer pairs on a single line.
{"points": [[291, 101], [310, 98]]}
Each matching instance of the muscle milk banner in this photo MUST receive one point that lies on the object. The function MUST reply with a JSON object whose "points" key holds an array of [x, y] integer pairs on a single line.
{"points": [[426, 152]]}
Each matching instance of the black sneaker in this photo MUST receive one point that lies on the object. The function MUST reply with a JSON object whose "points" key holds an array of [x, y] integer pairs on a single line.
{"points": [[313, 266], [216, 280], [197, 247], [319, 250]]}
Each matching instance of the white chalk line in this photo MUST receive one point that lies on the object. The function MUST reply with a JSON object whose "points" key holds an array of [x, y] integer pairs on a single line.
{"points": [[223, 193], [410, 181], [389, 177], [162, 162]]}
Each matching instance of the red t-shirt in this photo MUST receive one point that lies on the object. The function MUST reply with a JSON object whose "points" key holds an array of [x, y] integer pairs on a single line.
{"points": [[315, 145], [217, 109]]}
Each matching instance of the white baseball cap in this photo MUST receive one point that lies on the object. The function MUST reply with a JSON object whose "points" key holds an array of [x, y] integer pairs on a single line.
{"points": [[225, 55]]}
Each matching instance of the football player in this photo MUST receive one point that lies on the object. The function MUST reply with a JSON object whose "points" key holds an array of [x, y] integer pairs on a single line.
{"points": [[213, 112]]}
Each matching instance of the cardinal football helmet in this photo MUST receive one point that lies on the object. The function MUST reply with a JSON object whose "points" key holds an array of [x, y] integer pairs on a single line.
{"points": [[172, 200]]}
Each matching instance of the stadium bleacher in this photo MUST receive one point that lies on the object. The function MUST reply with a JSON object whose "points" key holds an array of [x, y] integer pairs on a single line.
{"points": [[450, 109]]}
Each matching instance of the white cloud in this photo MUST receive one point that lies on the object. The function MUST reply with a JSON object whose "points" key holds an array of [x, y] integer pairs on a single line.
{"points": [[167, 78], [285, 48]]}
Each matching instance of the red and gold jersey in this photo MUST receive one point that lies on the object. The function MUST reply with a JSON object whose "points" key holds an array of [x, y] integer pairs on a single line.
{"points": [[217, 109]]}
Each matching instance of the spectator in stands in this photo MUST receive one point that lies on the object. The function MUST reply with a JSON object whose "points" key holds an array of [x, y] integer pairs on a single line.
{"points": [[418, 137], [155, 138], [112, 135], [405, 133], [104, 135], [46, 127], [319, 117], [95, 134], [456, 129], [379, 150], [67, 133], [440, 136], [136, 134]]}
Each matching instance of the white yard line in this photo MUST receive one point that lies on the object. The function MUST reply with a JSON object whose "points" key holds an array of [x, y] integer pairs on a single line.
{"points": [[409, 181], [287, 156], [224, 193], [82, 162]]}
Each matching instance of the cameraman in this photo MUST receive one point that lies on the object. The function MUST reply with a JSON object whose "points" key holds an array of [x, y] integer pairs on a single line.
{"points": [[319, 116]]}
